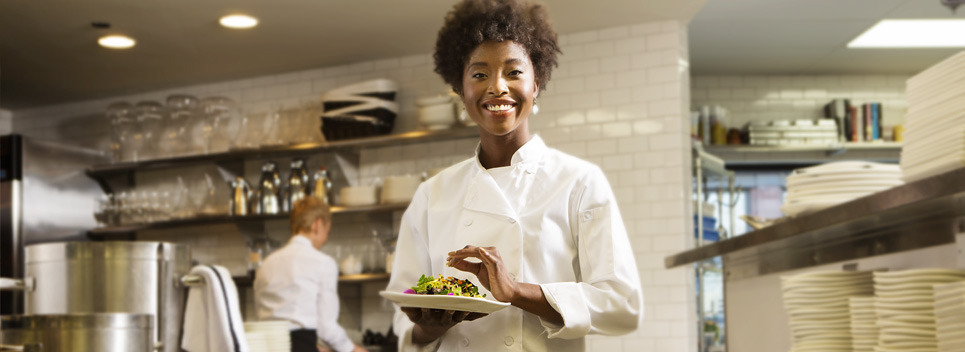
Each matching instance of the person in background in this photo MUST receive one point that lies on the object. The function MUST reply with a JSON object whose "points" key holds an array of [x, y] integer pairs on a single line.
{"points": [[298, 283], [535, 227]]}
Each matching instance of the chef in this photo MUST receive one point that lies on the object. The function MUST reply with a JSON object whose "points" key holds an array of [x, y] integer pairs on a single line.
{"points": [[533, 226], [298, 283]]}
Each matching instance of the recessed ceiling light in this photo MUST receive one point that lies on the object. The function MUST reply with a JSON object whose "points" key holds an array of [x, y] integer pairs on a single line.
{"points": [[238, 21], [912, 34], [116, 41]]}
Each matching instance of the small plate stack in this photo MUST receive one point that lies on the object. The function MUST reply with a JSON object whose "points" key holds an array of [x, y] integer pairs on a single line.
{"points": [[864, 332], [818, 307], [934, 141], [815, 188], [950, 316], [905, 307], [268, 336]]}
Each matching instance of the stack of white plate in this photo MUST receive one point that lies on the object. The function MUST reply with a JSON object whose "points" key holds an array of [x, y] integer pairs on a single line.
{"points": [[950, 316], [815, 188], [268, 336], [934, 141], [864, 332], [905, 307], [818, 307]]}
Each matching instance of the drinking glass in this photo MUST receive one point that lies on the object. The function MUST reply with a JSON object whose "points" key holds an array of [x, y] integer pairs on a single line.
{"points": [[150, 122]]}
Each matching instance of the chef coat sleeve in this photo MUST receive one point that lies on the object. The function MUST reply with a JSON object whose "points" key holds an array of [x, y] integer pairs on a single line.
{"points": [[328, 329], [607, 299], [411, 262]]}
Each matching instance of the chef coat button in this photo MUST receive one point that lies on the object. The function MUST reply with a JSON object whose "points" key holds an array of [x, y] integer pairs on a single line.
{"points": [[587, 216], [465, 342], [468, 222], [508, 340], [512, 276], [512, 221]]}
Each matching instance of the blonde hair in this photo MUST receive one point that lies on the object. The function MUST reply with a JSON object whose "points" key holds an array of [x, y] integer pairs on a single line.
{"points": [[305, 211]]}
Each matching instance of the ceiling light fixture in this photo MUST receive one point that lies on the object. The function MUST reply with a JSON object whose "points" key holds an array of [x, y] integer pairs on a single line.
{"points": [[116, 41], [238, 21], [940, 33]]}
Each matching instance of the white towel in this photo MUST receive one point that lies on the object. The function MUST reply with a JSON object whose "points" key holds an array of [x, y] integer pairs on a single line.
{"points": [[212, 318]]}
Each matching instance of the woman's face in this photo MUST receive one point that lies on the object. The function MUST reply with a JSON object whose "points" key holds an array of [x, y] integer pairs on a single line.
{"points": [[499, 86]]}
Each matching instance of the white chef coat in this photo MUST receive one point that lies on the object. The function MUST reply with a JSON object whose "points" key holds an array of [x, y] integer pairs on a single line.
{"points": [[565, 233], [299, 283]]}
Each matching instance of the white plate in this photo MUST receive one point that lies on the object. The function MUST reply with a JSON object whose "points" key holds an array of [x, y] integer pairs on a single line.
{"points": [[459, 303]]}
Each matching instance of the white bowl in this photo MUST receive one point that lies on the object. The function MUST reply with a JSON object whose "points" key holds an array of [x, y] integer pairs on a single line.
{"points": [[399, 189], [357, 196], [437, 117]]}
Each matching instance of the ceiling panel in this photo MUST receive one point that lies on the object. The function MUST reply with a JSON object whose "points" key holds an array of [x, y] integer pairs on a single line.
{"points": [[807, 10], [775, 33]]}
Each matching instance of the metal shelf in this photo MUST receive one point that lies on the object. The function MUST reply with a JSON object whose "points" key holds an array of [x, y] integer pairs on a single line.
{"points": [[103, 171], [924, 213], [227, 219], [248, 281], [794, 156]]}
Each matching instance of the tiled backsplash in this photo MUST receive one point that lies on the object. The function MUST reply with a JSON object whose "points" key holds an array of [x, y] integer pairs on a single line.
{"points": [[618, 99], [5, 121], [757, 97]]}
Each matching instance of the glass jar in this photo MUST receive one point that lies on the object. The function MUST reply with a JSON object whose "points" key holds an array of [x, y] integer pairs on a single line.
{"points": [[176, 141], [223, 121], [150, 121], [121, 118]]}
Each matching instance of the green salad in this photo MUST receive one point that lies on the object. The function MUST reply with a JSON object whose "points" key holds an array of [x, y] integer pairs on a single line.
{"points": [[449, 286]]}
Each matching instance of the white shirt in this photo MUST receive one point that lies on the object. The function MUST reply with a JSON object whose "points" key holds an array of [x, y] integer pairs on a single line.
{"points": [[299, 284], [555, 223]]}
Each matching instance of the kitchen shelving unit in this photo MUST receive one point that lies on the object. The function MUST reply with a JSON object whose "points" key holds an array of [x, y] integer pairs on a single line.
{"points": [[120, 175], [924, 213], [247, 281], [707, 165], [105, 232], [795, 156]]}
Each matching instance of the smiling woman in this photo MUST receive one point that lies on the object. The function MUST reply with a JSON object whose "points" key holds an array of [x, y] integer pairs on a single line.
{"points": [[538, 228]]}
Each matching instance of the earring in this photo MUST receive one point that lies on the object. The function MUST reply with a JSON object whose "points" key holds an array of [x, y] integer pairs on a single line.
{"points": [[464, 116], [535, 108]]}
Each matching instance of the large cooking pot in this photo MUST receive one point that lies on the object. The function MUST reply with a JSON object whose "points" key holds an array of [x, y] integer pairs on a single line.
{"points": [[109, 277], [101, 332]]}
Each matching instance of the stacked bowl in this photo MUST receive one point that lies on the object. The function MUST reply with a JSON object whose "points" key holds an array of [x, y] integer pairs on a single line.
{"points": [[905, 307], [950, 316], [934, 141], [818, 307], [864, 332], [360, 110], [268, 336], [815, 188]]}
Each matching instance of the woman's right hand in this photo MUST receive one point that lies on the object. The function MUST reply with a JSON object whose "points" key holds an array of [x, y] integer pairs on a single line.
{"points": [[430, 324]]}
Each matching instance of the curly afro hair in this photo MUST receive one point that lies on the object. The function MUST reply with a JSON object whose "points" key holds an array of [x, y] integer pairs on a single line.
{"points": [[472, 22]]}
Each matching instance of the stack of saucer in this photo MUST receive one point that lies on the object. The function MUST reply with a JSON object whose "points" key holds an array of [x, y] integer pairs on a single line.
{"points": [[818, 307], [268, 336], [864, 332], [905, 307], [950, 316], [815, 188], [934, 141]]}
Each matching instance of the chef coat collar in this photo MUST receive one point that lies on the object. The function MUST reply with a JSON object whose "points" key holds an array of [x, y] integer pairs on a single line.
{"points": [[527, 156], [301, 240]]}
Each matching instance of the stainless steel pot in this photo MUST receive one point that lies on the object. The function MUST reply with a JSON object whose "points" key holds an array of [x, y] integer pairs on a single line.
{"points": [[109, 277], [102, 332]]}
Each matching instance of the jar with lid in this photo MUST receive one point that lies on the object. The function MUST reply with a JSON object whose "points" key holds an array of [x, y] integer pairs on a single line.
{"points": [[150, 123], [121, 118], [176, 140], [222, 122]]}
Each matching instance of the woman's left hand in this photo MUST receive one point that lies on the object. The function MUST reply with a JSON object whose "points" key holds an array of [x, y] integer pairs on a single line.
{"points": [[490, 271]]}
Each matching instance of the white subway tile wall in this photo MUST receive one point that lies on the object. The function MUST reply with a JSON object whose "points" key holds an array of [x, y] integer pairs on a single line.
{"points": [[618, 99], [756, 97], [6, 119]]}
